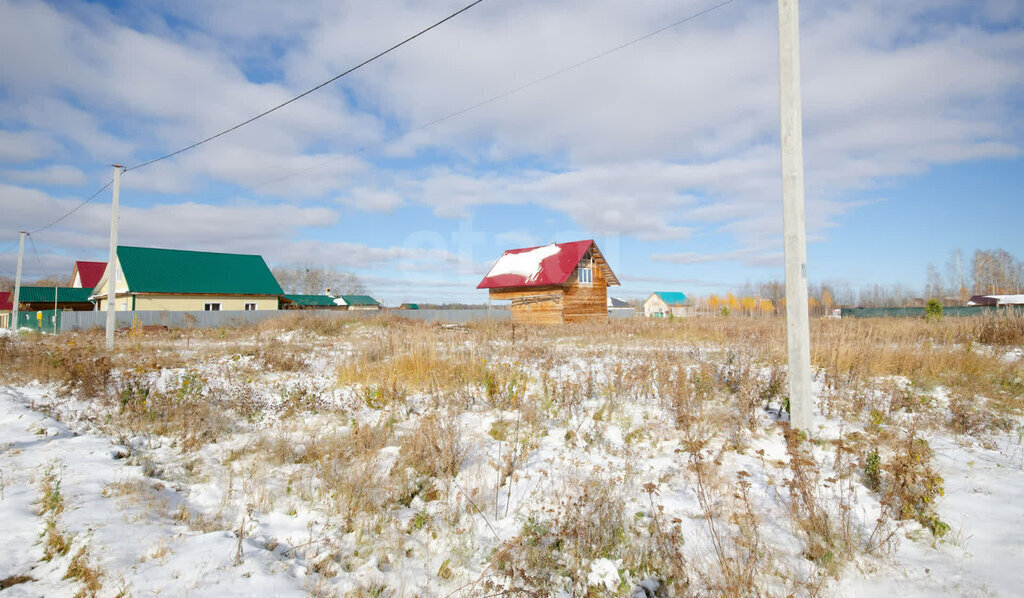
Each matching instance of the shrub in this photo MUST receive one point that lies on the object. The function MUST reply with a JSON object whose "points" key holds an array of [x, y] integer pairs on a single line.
{"points": [[933, 310]]}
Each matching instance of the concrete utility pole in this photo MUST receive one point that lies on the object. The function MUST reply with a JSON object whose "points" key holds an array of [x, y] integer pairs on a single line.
{"points": [[112, 263], [17, 281], [794, 229]]}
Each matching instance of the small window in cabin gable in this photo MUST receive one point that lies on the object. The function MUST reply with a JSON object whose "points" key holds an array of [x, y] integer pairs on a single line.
{"points": [[585, 273]]}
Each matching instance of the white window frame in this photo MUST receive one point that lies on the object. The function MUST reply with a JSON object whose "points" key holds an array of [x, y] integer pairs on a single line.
{"points": [[586, 275], [212, 306], [252, 306]]}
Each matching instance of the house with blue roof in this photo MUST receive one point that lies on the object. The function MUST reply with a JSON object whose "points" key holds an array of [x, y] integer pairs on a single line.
{"points": [[667, 304]]}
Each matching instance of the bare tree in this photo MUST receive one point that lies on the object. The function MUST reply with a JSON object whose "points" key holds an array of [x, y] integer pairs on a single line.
{"points": [[316, 280], [52, 280], [933, 283], [995, 271], [955, 275]]}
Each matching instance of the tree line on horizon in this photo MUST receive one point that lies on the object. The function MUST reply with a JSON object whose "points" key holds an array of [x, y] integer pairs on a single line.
{"points": [[987, 272]]}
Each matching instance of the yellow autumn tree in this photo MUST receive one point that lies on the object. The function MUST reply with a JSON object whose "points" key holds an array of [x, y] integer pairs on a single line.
{"points": [[732, 302], [748, 305]]}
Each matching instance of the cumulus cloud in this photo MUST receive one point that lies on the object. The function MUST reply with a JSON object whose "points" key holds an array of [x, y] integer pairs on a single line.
{"points": [[57, 174], [672, 139]]}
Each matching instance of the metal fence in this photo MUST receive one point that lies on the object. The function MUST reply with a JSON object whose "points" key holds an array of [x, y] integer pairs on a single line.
{"points": [[85, 320], [918, 312]]}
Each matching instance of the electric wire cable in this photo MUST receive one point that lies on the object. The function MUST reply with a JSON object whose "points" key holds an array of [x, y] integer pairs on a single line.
{"points": [[74, 209], [487, 101], [308, 91], [422, 127]]}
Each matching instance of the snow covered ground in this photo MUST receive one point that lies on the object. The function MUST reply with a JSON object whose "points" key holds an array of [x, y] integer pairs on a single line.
{"points": [[593, 490]]}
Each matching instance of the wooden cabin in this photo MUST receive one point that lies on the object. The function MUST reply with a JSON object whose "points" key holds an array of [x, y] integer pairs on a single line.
{"points": [[552, 284]]}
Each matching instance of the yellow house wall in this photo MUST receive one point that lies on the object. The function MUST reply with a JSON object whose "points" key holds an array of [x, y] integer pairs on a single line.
{"points": [[190, 302]]}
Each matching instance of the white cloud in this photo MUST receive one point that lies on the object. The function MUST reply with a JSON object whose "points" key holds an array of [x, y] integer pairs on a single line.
{"points": [[371, 200], [25, 146], [672, 138], [57, 174]]}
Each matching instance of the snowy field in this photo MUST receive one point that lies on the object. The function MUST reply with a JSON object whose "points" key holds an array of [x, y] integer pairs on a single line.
{"points": [[395, 458]]}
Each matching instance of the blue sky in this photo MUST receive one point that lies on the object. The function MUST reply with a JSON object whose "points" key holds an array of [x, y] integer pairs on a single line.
{"points": [[665, 152]]}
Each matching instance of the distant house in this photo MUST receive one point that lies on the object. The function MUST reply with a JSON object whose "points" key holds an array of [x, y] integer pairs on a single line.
{"points": [[85, 275], [617, 304], [6, 307], [357, 302], [310, 302], [996, 300], [60, 298], [552, 284], [339, 303], [663, 305], [409, 306], [150, 279]]}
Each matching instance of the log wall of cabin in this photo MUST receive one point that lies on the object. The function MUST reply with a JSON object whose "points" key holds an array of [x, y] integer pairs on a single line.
{"points": [[540, 305], [586, 302]]}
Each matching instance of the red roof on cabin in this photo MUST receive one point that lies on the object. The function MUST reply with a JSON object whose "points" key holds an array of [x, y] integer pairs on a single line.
{"points": [[5, 302], [90, 273], [554, 263]]}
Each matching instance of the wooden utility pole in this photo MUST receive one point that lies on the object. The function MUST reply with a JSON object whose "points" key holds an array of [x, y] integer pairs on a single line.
{"points": [[112, 262], [17, 282], [794, 227]]}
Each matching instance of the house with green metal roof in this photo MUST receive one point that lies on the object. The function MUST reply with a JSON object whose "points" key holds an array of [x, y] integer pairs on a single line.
{"points": [[663, 304], [340, 302], [358, 302], [59, 298], [151, 279], [310, 302]]}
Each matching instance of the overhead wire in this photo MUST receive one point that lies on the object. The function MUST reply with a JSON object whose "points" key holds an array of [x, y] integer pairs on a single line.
{"points": [[310, 90], [491, 99], [422, 127], [265, 112], [74, 209]]}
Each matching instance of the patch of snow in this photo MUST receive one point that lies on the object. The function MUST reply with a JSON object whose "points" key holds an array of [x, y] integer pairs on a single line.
{"points": [[525, 264], [604, 572]]}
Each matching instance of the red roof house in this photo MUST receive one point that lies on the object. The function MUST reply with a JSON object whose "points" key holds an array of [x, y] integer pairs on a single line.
{"points": [[6, 307], [85, 275], [552, 284]]}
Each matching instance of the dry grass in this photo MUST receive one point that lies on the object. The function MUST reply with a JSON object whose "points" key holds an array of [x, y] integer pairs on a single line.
{"points": [[395, 442], [80, 570]]}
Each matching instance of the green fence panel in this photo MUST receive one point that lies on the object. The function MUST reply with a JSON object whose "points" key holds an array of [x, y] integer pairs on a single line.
{"points": [[47, 320], [918, 312]]}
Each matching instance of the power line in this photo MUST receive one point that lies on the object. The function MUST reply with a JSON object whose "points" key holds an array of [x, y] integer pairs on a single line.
{"points": [[74, 209], [494, 98], [311, 90], [422, 127], [29, 235]]}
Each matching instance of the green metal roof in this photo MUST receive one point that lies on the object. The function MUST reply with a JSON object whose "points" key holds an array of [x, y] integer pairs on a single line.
{"points": [[324, 300], [359, 300], [45, 295], [672, 298], [149, 270]]}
